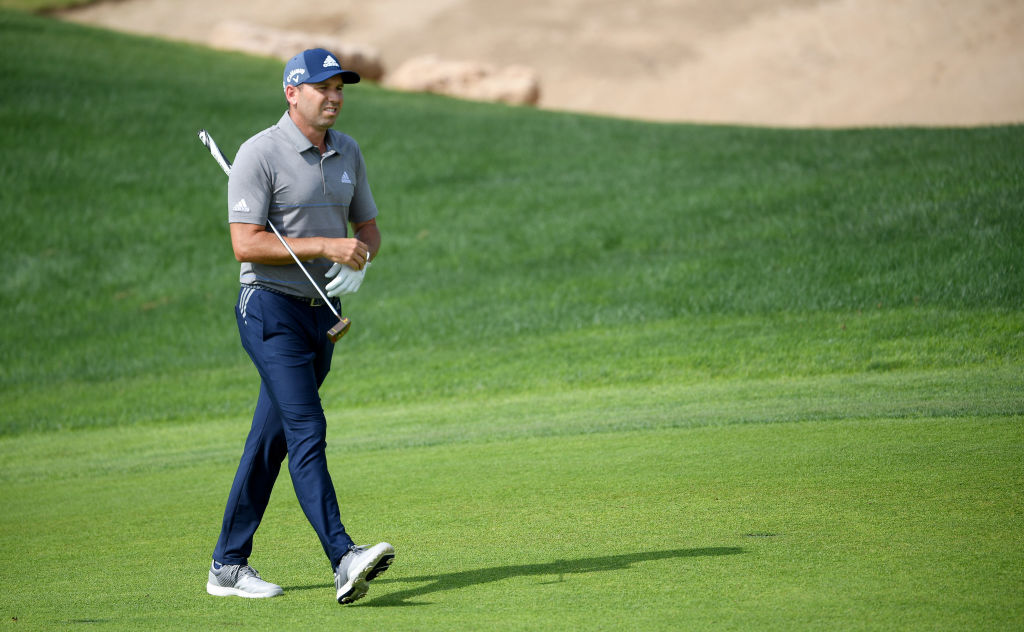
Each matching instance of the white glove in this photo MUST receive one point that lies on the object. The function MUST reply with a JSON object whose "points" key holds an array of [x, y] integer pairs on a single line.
{"points": [[347, 281]]}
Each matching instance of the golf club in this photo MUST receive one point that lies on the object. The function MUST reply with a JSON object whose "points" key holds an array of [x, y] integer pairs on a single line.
{"points": [[338, 330]]}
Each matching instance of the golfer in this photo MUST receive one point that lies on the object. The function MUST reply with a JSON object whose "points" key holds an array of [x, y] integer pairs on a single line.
{"points": [[310, 182]]}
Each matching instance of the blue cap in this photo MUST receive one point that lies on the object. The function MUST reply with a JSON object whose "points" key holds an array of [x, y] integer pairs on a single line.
{"points": [[313, 66]]}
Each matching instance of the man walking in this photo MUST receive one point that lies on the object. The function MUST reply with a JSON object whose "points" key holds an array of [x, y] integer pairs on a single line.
{"points": [[310, 182]]}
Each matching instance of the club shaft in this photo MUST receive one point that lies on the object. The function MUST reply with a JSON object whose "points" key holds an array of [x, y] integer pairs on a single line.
{"points": [[303, 268]]}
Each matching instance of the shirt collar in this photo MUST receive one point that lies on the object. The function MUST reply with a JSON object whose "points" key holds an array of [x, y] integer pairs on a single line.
{"points": [[298, 139]]}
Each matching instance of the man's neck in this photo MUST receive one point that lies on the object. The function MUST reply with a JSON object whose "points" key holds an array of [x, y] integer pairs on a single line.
{"points": [[315, 135]]}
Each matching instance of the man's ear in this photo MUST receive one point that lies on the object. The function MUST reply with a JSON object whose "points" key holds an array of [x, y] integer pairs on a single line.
{"points": [[291, 94]]}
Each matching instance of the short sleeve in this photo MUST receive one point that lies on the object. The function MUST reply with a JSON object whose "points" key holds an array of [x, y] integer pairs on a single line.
{"points": [[249, 187]]}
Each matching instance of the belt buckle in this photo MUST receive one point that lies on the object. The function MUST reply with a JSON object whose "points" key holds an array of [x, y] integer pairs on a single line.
{"points": [[315, 302]]}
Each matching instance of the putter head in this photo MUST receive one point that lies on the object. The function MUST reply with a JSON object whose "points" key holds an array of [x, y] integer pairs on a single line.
{"points": [[339, 330]]}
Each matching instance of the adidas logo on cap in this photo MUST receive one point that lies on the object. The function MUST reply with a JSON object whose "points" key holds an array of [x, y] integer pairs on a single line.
{"points": [[313, 66]]}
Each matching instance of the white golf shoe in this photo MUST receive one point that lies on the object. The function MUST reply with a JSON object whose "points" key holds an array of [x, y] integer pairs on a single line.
{"points": [[358, 567], [240, 580]]}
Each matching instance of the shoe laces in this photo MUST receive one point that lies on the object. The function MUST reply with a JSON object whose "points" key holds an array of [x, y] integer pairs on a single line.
{"points": [[245, 569]]}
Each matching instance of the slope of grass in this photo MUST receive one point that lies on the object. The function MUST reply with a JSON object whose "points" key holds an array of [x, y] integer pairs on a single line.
{"points": [[42, 5], [572, 249]]}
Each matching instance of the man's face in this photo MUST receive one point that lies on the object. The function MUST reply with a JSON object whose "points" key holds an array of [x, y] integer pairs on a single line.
{"points": [[317, 104]]}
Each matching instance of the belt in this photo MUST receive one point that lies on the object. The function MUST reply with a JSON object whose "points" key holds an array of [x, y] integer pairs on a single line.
{"points": [[315, 301]]}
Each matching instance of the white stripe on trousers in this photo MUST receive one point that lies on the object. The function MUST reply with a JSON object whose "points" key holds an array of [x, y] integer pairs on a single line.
{"points": [[243, 300]]}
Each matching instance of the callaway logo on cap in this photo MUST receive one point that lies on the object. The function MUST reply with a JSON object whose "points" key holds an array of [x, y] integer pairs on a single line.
{"points": [[313, 66]]}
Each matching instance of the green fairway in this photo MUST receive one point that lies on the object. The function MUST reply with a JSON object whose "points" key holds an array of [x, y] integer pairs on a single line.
{"points": [[860, 524], [604, 374]]}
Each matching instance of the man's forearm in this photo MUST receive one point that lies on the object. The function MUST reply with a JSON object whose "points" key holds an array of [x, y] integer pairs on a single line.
{"points": [[255, 244]]}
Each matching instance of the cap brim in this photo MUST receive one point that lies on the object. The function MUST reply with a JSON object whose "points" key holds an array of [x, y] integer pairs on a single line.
{"points": [[348, 76]]}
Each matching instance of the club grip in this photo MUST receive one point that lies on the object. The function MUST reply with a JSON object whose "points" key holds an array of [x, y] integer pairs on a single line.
{"points": [[339, 330]]}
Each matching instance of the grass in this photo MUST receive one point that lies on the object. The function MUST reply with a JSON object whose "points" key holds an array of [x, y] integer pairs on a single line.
{"points": [[858, 523], [607, 374], [41, 5]]}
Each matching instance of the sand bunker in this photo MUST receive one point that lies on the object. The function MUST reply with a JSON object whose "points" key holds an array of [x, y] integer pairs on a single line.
{"points": [[807, 63]]}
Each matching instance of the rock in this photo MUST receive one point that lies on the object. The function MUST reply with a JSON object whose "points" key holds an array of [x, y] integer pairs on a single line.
{"points": [[262, 40], [514, 85]]}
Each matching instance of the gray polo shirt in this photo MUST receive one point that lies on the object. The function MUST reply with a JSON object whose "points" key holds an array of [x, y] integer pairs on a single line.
{"points": [[278, 175]]}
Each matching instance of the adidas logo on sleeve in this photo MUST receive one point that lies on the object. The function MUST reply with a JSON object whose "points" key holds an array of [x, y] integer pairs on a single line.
{"points": [[241, 207]]}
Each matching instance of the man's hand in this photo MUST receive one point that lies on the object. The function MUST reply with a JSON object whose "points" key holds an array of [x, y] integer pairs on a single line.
{"points": [[347, 280], [348, 251]]}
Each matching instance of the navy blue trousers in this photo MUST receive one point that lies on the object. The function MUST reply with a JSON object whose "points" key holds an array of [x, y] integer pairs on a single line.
{"points": [[287, 341]]}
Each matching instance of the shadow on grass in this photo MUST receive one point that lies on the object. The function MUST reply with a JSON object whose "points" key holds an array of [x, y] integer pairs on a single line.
{"points": [[560, 568]]}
